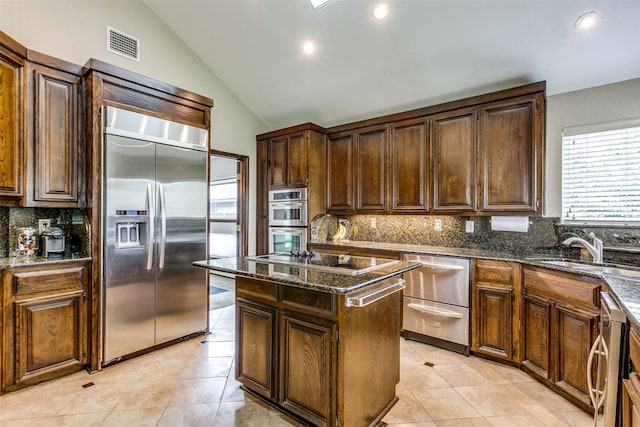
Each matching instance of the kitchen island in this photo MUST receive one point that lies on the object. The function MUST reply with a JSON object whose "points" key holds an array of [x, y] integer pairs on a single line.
{"points": [[319, 345]]}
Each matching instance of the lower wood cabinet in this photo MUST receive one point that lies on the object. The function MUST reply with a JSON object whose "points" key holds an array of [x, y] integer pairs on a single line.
{"points": [[631, 386], [560, 324], [308, 354], [496, 309], [45, 322]]}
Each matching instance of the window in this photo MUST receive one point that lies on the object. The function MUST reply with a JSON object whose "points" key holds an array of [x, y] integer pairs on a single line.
{"points": [[601, 173]]}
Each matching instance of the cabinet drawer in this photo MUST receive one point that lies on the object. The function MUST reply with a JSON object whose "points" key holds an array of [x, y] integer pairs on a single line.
{"points": [[320, 302], [564, 286], [49, 279], [493, 272], [257, 288]]}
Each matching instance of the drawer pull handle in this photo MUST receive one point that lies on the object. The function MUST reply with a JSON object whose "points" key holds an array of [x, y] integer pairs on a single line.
{"points": [[435, 311]]}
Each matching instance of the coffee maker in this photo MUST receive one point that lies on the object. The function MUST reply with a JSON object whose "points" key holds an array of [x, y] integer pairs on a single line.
{"points": [[53, 243]]}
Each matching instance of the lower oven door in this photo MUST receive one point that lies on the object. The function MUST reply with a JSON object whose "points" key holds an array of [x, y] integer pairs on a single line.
{"points": [[442, 321], [287, 239]]}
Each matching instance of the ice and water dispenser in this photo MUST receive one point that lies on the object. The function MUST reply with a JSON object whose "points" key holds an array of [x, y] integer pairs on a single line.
{"points": [[131, 228]]}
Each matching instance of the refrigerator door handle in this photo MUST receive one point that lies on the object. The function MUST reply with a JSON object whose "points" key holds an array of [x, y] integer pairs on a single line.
{"points": [[152, 225], [163, 227]]}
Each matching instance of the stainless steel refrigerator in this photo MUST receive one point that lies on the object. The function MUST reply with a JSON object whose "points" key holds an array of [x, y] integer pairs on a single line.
{"points": [[154, 223]]}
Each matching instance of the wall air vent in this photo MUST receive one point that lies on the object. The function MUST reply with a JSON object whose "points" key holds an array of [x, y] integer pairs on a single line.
{"points": [[123, 44]]}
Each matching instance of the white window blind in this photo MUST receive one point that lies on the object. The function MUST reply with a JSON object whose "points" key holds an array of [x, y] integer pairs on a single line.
{"points": [[601, 173]]}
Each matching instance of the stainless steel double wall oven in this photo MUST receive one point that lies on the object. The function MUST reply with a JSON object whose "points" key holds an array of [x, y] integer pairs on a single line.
{"points": [[288, 220]]}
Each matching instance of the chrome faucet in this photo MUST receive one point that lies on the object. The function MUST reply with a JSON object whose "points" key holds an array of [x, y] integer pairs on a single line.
{"points": [[594, 249]]}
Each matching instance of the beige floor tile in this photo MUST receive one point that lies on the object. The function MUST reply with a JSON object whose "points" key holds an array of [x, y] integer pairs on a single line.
{"points": [[25, 422], [465, 422], [190, 415], [77, 420], [445, 404], [492, 400], [460, 374], [437, 355], [232, 391], [28, 402], [250, 412], [146, 395], [198, 391], [418, 424], [516, 421], [421, 378], [137, 417], [498, 373], [406, 410], [544, 400], [97, 398], [568, 419]]}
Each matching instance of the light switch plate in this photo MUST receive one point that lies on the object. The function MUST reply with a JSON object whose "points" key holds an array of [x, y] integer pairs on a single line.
{"points": [[470, 226], [373, 223], [43, 224], [437, 225]]}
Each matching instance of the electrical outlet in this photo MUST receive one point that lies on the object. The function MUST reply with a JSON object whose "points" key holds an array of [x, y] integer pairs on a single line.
{"points": [[43, 224], [437, 225], [373, 223], [470, 226]]}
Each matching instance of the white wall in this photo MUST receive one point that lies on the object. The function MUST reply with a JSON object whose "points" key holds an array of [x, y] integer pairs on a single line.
{"points": [[593, 105], [76, 31]]}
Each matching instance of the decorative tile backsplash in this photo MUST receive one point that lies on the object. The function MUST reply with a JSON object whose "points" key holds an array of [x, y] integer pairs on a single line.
{"points": [[73, 223], [544, 233]]}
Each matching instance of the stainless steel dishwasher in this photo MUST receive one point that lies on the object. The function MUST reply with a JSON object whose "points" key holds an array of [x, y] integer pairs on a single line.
{"points": [[436, 302]]}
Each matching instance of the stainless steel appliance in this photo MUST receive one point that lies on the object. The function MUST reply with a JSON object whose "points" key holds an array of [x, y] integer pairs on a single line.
{"points": [[606, 352], [286, 239], [288, 208], [339, 264], [288, 220], [154, 223], [436, 302], [53, 242]]}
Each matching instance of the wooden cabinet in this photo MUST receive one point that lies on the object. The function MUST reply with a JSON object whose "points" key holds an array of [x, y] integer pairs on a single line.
{"points": [[55, 150], [510, 154], [262, 198], [12, 71], [45, 322], [305, 352], [42, 128], [496, 310], [453, 140], [309, 358], [409, 166], [256, 347], [560, 323], [340, 173], [371, 152], [631, 385]]}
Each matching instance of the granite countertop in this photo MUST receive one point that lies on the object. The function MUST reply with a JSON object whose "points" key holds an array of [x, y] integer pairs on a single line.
{"points": [[23, 261], [626, 292], [305, 277]]}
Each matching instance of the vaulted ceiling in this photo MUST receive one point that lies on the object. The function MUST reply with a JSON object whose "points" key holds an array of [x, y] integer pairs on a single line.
{"points": [[425, 52]]}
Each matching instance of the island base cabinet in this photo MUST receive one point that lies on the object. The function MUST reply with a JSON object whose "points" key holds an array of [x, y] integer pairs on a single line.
{"points": [[311, 356], [255, 347], [308, 367]]}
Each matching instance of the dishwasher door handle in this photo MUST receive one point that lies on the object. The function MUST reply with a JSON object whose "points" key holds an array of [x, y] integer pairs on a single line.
{"points": [[442, 267], [435, 311]]}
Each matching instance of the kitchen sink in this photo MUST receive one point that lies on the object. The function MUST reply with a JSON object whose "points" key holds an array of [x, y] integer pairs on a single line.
{"points": [[609, 270]]}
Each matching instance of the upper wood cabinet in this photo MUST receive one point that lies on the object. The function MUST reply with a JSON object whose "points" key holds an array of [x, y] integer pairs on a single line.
{"points": [[12, 69], [371, 152], [510, 154], [42, 127], [453, 140], [409, 166], [288, 161], [55, 153], [340, 173]]}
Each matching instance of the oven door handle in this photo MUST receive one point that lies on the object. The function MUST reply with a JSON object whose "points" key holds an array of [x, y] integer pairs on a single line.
{"points": [[596, 395], [435, 311]]}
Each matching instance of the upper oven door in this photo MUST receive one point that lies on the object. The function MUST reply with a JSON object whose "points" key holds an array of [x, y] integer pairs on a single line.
{"points": [[288, 214]]}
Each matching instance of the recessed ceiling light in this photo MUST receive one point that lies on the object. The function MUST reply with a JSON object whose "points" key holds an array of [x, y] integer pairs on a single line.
{"points": [[308, 48], [586, 20], [380, 11], [317, 4]]}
